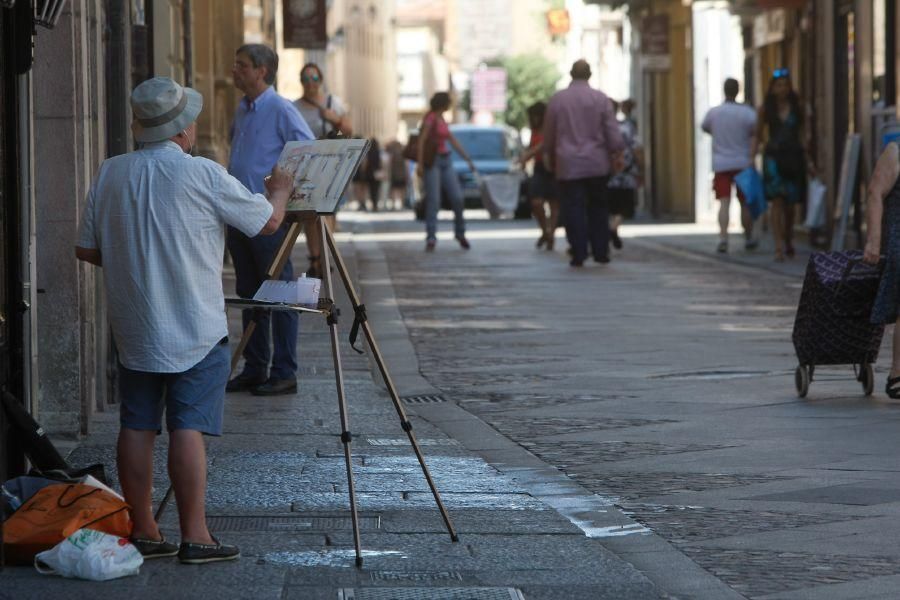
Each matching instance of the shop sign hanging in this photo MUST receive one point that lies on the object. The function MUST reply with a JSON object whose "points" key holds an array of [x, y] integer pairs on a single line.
{"points": [[305, 24], [769, 27], [655, 54]]}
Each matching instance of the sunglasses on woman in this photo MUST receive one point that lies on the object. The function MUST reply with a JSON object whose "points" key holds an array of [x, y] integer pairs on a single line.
{"points": [[310, 78], [781, 73]]}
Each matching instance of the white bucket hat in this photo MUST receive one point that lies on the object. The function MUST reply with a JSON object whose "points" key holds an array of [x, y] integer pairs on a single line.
{"points": [[162, 109]]}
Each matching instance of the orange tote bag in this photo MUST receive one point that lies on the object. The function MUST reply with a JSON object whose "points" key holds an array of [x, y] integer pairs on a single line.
{"points": [[57, 511]]}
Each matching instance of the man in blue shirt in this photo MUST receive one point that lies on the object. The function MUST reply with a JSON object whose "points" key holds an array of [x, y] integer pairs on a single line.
{"points": [[263, 123]]}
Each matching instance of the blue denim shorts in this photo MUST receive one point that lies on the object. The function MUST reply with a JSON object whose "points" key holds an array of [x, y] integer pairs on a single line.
{"points": [[193, 399]]}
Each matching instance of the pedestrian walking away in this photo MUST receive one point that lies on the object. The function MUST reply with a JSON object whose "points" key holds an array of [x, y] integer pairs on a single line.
{"points": [[581, 140], [366, 180], [155, 222], [542, 192], [624, 183], [398, 173], [883, 207], [733, 129], [781, 128], [328, 118], [263, 124], [434, 165]]}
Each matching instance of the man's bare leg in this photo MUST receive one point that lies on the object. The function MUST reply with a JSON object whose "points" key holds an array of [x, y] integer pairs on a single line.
{"points": [[537, 209], [724, 207], [187, 471], [895, 362], [134, 458]]}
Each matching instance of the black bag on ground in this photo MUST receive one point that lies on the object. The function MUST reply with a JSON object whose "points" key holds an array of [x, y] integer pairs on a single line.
{"points": [[32, 437], [45, 458], [833, 325]]}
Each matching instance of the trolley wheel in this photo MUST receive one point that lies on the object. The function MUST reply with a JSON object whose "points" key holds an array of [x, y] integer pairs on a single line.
{"points": [[801, 380], [867, 378]]}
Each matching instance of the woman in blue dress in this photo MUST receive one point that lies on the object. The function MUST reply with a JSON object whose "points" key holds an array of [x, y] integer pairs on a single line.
{"points": [[883, 207], [781, 124]]}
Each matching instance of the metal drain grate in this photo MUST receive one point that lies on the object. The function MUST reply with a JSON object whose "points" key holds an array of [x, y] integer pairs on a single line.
{"points": [[425, 399], [410, 593], [298, 523], [416, 576]]}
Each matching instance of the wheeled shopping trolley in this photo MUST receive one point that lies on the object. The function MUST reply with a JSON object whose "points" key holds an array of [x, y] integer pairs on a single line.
{"points": [[833, 325]]}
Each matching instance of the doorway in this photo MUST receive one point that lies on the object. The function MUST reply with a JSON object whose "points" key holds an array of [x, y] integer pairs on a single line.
{"points": [[844, 77], [12, 461]]}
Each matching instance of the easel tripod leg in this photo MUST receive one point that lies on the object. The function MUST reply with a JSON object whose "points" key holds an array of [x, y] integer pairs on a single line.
{"points": [[406, 425], [346, 436]]}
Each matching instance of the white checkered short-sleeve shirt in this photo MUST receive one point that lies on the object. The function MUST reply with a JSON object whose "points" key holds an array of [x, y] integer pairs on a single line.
{"points": [[158, 217]]}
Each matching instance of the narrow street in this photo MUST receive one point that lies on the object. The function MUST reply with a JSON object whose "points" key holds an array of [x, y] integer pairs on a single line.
{"points": [[662, 383], [625, 427], [619, 432]]}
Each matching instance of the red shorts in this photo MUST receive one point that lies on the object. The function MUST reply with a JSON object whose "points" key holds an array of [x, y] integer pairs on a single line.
{"points": [[722, 183]]}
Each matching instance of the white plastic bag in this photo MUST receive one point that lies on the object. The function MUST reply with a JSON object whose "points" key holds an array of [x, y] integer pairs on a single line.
{"points": [[815, 204], [500, 193], [90, 554]]}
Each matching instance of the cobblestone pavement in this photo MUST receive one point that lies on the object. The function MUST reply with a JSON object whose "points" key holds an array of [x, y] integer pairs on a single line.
{"points": [[664, 382]]}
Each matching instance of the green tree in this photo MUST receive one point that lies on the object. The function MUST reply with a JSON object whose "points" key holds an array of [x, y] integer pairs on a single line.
{"points": [[529, 78]]}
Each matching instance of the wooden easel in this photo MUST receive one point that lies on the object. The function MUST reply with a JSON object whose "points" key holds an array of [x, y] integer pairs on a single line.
{"points": [[329, 251]]}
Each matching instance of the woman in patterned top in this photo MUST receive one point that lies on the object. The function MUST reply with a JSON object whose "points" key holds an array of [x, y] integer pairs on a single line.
{"points": [[624, 183], [884, 208]]}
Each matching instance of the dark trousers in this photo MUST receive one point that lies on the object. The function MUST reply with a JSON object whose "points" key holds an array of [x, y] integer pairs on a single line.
{"points": [[586, 216], [252, 257]]}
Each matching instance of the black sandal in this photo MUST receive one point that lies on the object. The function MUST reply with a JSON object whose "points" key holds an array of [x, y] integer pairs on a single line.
{"points": [[892, 388]]}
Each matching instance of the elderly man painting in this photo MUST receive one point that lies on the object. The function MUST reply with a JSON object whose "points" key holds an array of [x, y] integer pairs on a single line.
{"points": [[155, 221]]}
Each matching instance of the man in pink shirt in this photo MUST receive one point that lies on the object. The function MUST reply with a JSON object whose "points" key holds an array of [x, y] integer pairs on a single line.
{"points": [[581, 141]]}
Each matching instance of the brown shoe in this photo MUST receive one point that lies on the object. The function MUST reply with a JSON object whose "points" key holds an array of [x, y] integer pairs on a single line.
{"points": [[244, 382]]}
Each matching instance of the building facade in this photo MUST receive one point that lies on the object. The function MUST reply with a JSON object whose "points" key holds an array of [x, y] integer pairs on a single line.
{"points": [[842, 57], [63, 110], [423, 67], [359, 64]]}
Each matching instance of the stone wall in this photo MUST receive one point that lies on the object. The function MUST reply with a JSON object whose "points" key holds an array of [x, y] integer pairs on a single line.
{"points": [[68, 147]]}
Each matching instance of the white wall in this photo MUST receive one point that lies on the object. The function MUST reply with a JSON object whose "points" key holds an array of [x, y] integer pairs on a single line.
{"points": [[597, 35], [718, 55]]}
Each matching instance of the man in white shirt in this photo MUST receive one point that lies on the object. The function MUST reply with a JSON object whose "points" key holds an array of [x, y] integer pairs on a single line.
{"points": [[155, 221], [732, 127]]}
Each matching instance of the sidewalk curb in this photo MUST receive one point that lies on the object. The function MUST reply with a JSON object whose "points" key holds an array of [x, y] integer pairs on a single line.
{"points": [[696, 256]]}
